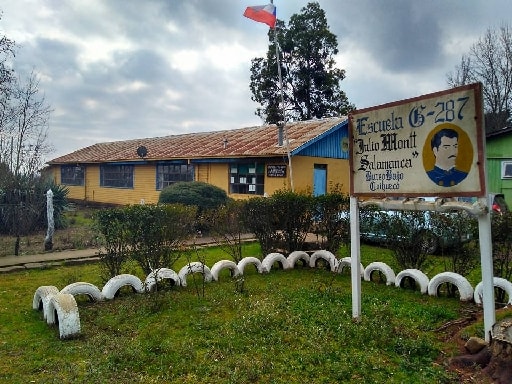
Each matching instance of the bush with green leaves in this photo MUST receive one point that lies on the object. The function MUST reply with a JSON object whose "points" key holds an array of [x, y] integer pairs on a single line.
{"points": [[294, 218], [406, 233], [458, 235], [157, 232], [332, 220], [280, 222], [502, 244], [111, 223], [261, 219], [152, 235], [226, 226], [23, 204], [196, 193]]}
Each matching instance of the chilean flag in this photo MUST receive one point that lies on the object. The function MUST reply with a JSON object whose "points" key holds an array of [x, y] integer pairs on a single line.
{"points": [[263, 14]]}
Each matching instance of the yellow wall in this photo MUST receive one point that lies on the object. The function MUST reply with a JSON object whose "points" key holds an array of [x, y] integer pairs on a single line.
{"points": [[213, 173], [337, 173]]}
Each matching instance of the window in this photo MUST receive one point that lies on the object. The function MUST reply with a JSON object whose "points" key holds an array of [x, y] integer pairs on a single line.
{"points": [[167, 174], [71, 175], [506, 169], [247, 178], [116, 176]]}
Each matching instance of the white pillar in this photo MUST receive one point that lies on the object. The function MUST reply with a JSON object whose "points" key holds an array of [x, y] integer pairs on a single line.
{"points": [[484, 231], [355, 257]]}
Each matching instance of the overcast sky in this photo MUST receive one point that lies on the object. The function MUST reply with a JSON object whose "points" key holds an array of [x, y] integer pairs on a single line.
{"points": [[124, 69]]}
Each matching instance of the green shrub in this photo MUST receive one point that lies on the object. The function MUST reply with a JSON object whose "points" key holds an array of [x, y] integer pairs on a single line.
{"points": [[502, 247], [156, 233], [225, 225], [407, 235], [111, 223], [202, 195], [294, 218], [261, 219], [332, 220], [149, 234]]}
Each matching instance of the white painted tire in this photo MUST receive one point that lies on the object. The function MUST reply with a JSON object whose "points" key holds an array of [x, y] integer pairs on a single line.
{"points": [[462, 284], [498, 282], [272, 258], [114, 284], [42, 297], [250, 260], [81, 288], [224, 264], [347, 262], [62, 308], [296, 256], [161, 274], [418, 276], [325, 255], [194, 267], [382, 267]]}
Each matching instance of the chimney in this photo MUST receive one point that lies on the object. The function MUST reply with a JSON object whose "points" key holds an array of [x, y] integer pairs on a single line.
{"points": [[280, 135]]}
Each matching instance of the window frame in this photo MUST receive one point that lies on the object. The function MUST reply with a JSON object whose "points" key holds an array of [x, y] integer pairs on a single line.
{"points": [[247, 178], [162, 182], [123, 171], [506, 169], [78, 178]]}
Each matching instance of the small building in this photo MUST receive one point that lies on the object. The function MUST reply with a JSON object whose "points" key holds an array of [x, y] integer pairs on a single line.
{"points": [[499, 162], [256, 161]]}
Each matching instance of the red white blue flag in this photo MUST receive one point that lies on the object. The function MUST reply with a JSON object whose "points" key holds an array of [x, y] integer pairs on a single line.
{"points": [[263, 14]]}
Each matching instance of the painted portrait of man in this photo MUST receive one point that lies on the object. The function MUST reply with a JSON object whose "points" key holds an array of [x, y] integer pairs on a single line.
{"points": [[445, 147]]}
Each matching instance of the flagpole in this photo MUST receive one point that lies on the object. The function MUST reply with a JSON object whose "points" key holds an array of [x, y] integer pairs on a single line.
{"points": [[283, 109]]}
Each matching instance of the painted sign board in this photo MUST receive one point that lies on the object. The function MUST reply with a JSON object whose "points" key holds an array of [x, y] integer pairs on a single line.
{"points": [[431, 145], [276, 170]]}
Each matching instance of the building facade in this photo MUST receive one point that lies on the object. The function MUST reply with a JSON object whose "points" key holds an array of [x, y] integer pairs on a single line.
{"points": [[499, 162], [309, 156]]}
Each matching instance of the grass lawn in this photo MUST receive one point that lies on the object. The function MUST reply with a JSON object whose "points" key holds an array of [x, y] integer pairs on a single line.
{"points": [[284, 327]]}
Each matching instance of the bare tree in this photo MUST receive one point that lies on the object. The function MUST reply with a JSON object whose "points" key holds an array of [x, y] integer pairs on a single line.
{"points": [[6, 82], [29, 128], [6, 72], [24, 118], [489, 61]]}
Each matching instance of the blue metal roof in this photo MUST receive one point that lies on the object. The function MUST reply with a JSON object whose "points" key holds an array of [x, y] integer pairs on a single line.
{"points": [[333, 143]]}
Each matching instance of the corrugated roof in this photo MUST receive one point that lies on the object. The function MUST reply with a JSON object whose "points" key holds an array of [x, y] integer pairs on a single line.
{"points": [[243, 142], [499, 132]]}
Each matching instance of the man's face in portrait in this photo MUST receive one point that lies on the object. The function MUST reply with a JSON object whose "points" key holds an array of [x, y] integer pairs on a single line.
{"points": [[446, 153]]}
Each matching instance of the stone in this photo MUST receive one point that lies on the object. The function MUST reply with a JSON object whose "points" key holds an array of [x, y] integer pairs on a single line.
{"points": [[475, 344]]}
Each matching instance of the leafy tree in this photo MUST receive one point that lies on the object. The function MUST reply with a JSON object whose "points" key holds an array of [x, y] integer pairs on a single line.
{"points": [[311, 81], [489, 61]]}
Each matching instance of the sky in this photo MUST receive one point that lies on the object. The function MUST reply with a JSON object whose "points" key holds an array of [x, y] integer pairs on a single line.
{"points": [[126, 69]]}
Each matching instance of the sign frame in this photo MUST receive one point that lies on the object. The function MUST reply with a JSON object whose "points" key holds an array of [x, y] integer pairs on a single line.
{"points": [[475, 186]]}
